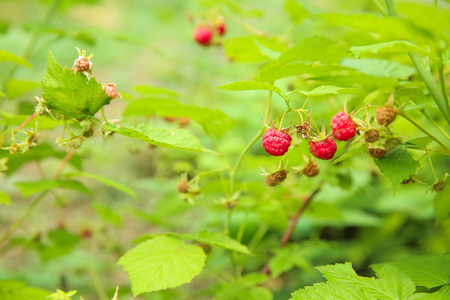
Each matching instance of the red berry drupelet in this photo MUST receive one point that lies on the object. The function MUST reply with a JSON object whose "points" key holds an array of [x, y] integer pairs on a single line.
{"points": [[324, 149], [276, 142], [203, 35], [343, 127]]}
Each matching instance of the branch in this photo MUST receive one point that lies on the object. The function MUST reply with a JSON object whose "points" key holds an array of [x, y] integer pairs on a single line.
{"points": [[294, 220]]}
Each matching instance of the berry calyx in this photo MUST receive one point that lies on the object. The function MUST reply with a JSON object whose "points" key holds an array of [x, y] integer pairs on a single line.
{"points": [[275, 178], [376, 152], [371, 135], [343, 127], [385, 115], [203, 35], [183, 186], [276, 142], [323, 149], [312, 169]]}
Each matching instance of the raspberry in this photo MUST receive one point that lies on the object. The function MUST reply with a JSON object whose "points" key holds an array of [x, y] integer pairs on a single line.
{"points": [[324, 149], [311, 170], [75, 142], [221, 28], [203, 35], [371, 136], [343, 127], [276, 142], [110, 89], [82, 64], [385, 115], [276, 177], [183, 186], [376, 152]]}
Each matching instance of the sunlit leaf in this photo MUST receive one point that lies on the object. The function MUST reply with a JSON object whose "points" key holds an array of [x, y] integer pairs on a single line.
{"points": [[170, 138], [379, 67], [16, 290], [109, 182], [71, 94], [162, 262], [387, 47], [397, 165], [426, 270], [11, 57], [4, 198], [329, 89], [29, 188]]}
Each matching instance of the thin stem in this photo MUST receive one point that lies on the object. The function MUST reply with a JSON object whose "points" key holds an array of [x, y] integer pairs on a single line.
{"points": [[266, 115], [380, 7], [390, 5], [432, 169], [20, 126], [293, 222], [435, 3], [435, 124], [99, 288], [424, 131], [241, 157], [36, 201], [22, 217], [228, 221], [103, 115], [442, 81], [257, 237], [290, 229], [427, 77]]}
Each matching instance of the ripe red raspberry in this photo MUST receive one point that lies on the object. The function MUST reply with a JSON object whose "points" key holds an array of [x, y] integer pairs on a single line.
{"points": [[324, 149], [221, 28], [203, 35], [276, 142], [343, 127]]}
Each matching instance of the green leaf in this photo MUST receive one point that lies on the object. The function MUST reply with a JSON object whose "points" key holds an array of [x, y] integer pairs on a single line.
{"points": [[296, 12], [157, 91], [162, 262], [118, 186], [245, 49], [214, 120], [71, 94], [420, 142], [11, 57], [380, 25], [329, 89], [442, 205], [61, 242], [170, 138], [286, 259], [250, 86], [107, 213], [16, 290], [427, 270], [397, 165], [348, 154], [245, 289], [277, 71], [392, 283], [331, 291], [216, 239], [379, 67], [317, 48], [205, 237], [387, 47], [4, 198], [18, 87], [366, 82], [29, 188]]}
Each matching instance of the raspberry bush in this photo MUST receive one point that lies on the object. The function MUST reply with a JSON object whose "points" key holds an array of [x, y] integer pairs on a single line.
{"points": [[136, 164]]}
